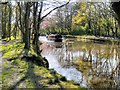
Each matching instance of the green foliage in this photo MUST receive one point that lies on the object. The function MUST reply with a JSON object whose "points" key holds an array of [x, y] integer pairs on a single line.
{"points": [[90, 19], [78, 30], [12, 51], [11, 38], [55, 31], [20, 73], [80, 18]]}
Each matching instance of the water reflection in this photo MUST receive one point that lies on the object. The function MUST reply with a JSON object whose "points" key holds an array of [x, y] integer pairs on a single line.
{"points": [[90, 64]]}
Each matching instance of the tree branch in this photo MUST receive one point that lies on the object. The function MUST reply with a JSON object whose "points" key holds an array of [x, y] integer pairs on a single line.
{"points": [[54, 9]]}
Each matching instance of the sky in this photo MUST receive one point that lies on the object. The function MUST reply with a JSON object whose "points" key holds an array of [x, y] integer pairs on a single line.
{"points": [[50, 4], [67, 0]]}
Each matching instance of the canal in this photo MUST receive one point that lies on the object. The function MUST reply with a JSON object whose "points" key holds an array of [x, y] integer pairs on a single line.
{"points": [[93, 65]]}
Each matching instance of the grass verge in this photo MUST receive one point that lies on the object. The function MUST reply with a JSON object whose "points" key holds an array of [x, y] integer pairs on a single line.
{"points": [[18, 72]]}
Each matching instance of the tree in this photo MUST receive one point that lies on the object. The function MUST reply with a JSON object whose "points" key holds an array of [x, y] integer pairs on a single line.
{"points": [[4, 21], [9, 21], [40, 19], [27, 26], [116, 8]]}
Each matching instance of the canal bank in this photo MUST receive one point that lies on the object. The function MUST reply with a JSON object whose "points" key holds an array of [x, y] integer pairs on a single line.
{"points": [[89, 63], [18, 72], [93, 38]]}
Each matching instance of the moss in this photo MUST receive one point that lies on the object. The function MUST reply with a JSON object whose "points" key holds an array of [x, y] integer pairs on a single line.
{"points": [[21, 73], [11, 38], [54, 86], [29, 83], [0, 80], [1, 47], [11, 54], [13, 46], [68, 85], [51, 81]]}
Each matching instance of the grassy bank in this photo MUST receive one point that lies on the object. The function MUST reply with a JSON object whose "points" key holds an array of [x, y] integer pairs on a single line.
{"points": [[93, 38], [19, 72]]}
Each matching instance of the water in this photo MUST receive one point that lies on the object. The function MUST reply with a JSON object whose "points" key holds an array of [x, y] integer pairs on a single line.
{"points": [[89, 64]]}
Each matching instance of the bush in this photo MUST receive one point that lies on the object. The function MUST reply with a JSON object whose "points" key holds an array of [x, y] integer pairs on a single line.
{"points": [[63, 78]]}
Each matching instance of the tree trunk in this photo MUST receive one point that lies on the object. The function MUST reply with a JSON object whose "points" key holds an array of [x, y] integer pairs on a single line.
{"points": [[35, 7], [36, 48], [35, 41], [27, 29], [9, 22], [4, 33], [116, 29], [21, 21]]}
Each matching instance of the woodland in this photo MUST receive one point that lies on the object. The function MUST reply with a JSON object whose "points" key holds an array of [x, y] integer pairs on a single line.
{"points": [[22, 24]]}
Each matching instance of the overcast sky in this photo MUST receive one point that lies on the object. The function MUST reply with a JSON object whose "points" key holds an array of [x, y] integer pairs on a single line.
{"points": [[66, 0]]}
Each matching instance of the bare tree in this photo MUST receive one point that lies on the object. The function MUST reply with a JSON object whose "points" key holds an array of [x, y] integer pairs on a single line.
{"points": [[40, 19]]}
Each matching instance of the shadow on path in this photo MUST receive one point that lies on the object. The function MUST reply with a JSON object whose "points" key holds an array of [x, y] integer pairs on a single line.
{"points": [[29, 75]]}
